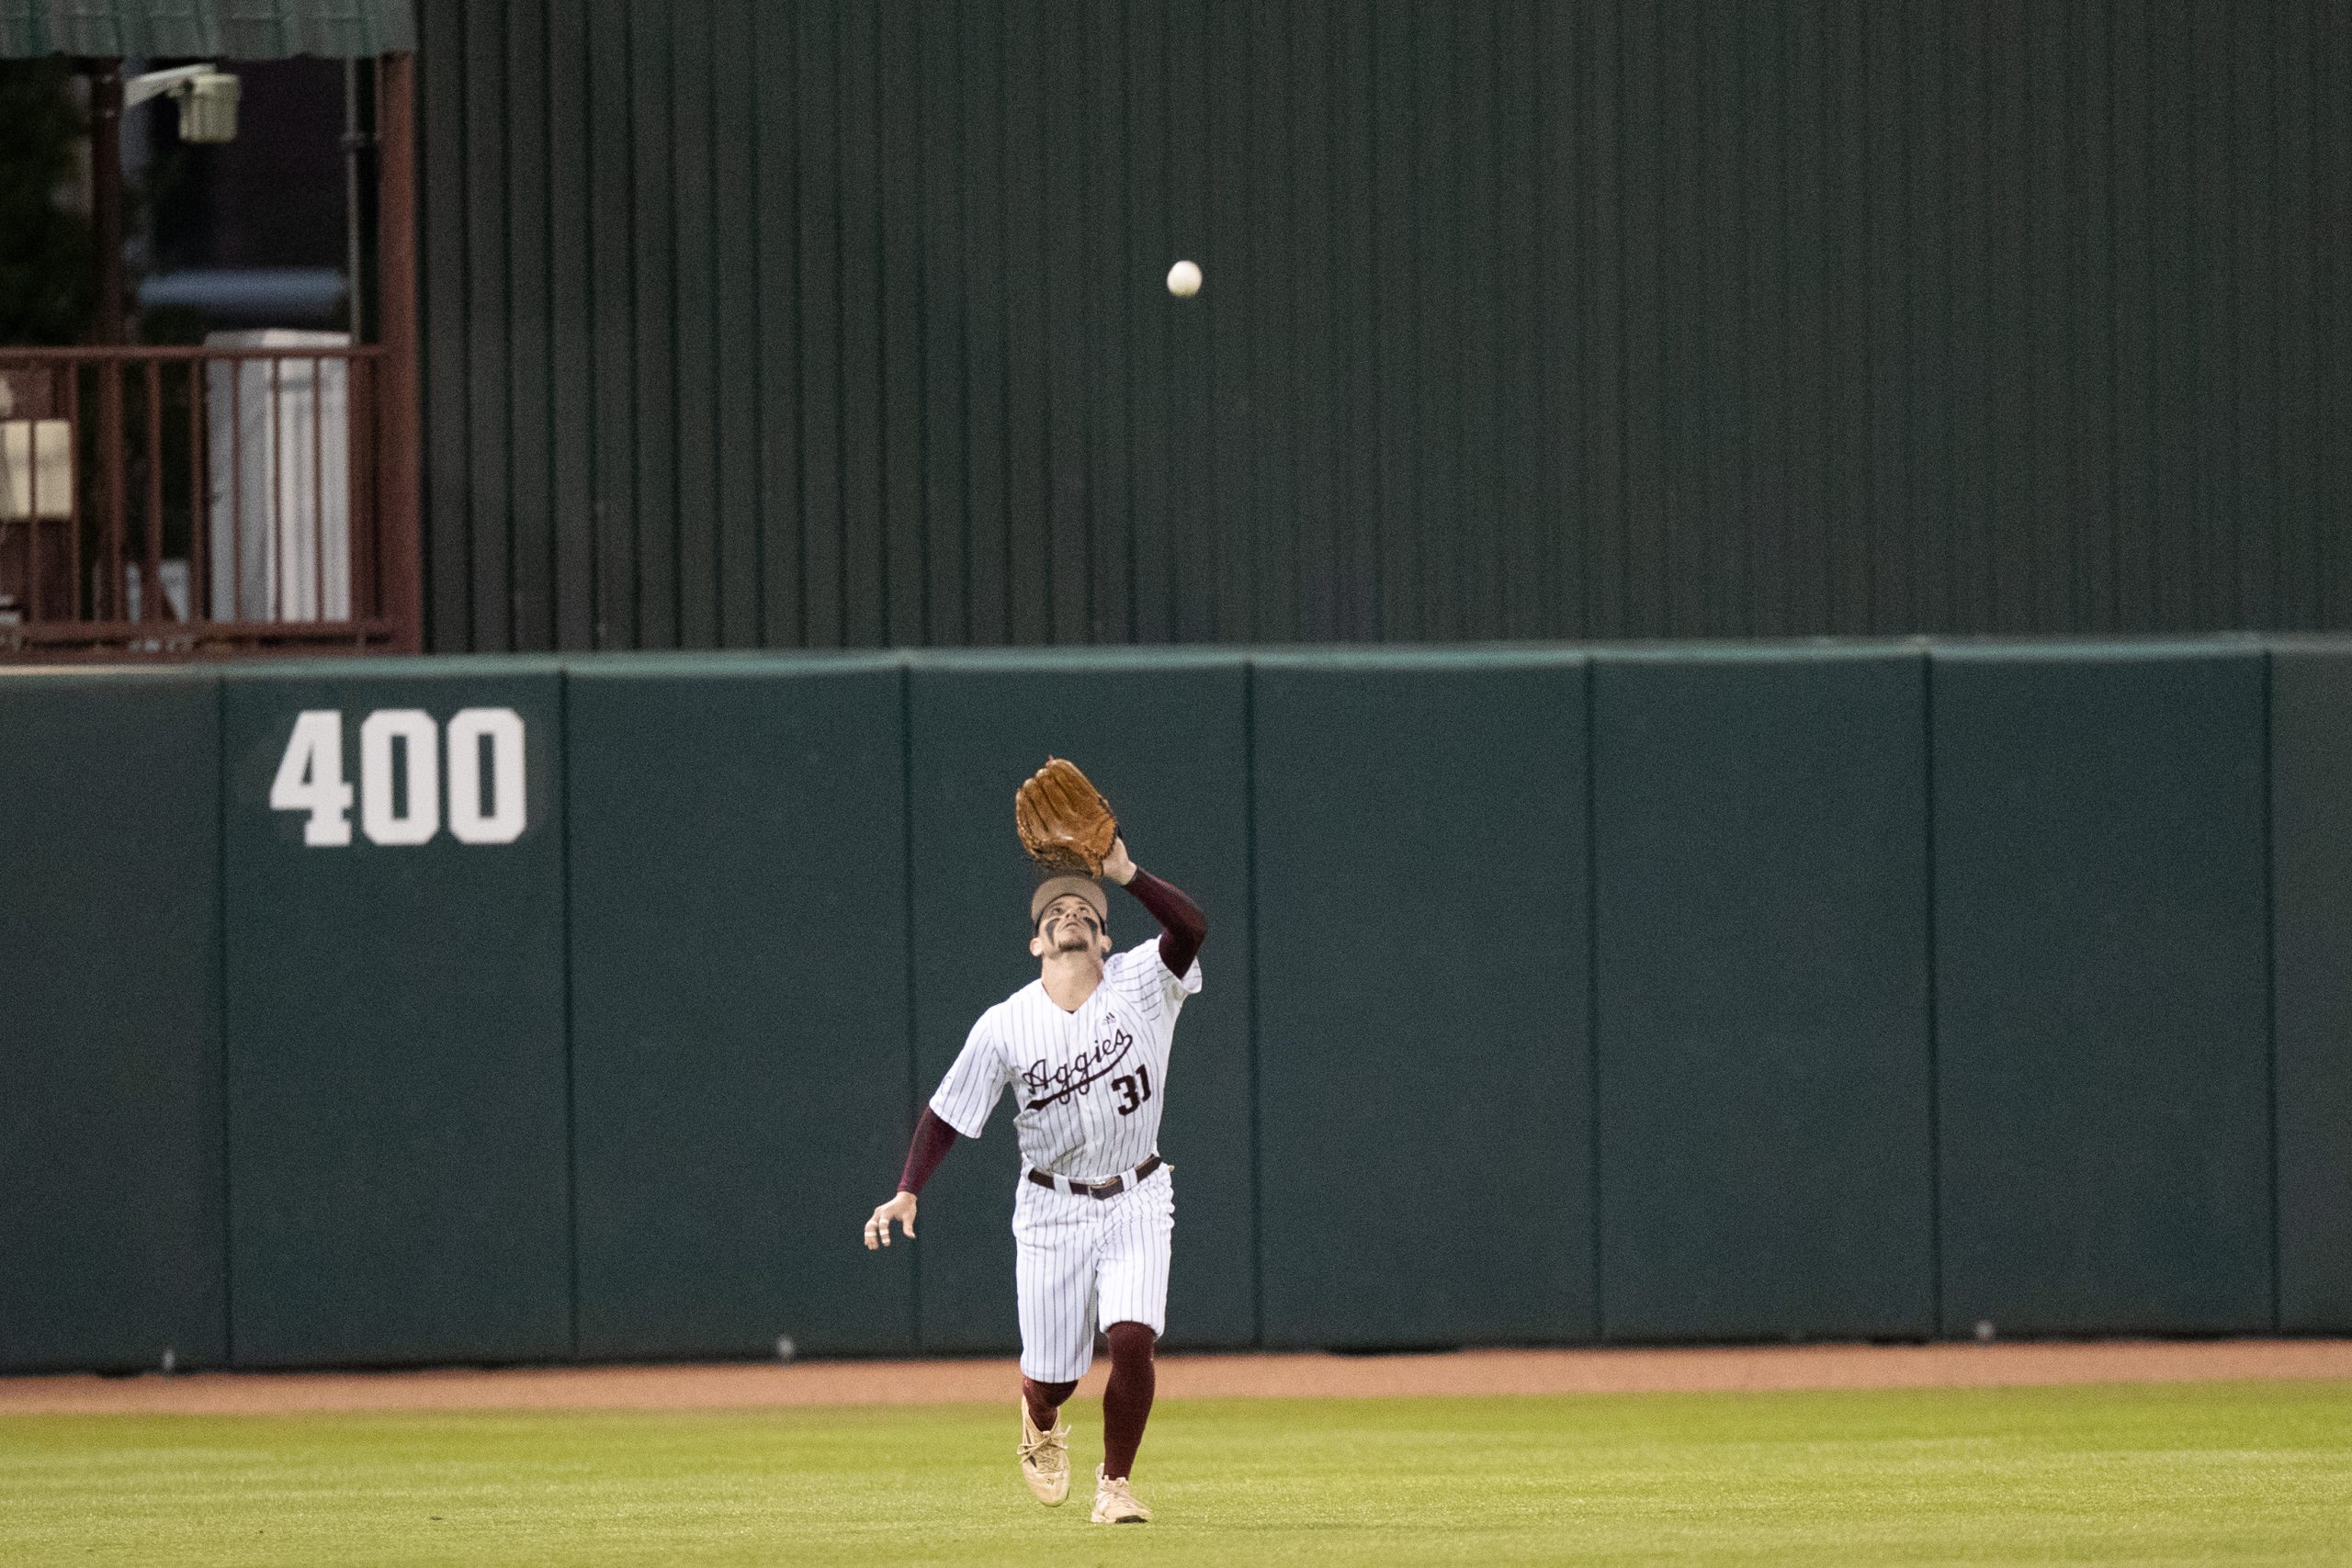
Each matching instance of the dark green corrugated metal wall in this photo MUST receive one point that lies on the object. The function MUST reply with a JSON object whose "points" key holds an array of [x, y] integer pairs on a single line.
{"points": [[831, 323]]}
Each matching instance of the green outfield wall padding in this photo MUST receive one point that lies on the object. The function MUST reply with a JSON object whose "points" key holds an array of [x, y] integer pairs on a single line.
{"points": [[2102, 1038], [1760, 938], [740, 1042], [1735, 991], [110, 1145], [1163, 737], [398, 1187], [1424, 1058], [2311, 755]]}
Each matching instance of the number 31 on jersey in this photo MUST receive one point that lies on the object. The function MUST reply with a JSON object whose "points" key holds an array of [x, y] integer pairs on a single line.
{"points": [[485, 776]]}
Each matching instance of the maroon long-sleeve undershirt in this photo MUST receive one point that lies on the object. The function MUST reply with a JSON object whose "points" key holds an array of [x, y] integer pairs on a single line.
{"points": [[1183, 928], [933, 1138]]}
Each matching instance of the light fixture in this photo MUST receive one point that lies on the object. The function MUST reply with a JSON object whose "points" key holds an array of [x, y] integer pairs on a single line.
{"points": [[207, 99]]}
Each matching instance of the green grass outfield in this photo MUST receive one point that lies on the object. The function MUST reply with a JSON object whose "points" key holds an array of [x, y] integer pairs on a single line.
{"points": [[2231, 1473]]}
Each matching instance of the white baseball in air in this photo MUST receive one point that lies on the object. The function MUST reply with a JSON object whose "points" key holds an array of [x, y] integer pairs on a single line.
{"points": [[1184, 279]]}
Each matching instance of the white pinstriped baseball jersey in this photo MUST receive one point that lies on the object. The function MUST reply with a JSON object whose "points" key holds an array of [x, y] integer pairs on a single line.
{"points": [[1087, 1085]]}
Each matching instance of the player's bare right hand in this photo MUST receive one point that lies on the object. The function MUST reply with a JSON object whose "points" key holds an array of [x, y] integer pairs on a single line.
{"points": [[901, 1209]]}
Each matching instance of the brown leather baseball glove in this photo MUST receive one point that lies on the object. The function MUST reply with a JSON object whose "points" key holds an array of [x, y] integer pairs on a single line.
{"points": [[1066, 825]]}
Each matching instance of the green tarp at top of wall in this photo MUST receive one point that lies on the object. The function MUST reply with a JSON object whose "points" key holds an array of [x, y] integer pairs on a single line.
{"points": [[250, 29]]}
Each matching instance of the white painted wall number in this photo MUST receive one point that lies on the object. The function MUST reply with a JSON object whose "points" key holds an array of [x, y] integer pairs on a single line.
{"points": [[406, 808], [310, 778]]}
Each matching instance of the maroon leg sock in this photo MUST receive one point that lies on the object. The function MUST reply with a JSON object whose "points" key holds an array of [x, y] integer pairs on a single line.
{"points": [[1045, 1399], [1126, 1399]]}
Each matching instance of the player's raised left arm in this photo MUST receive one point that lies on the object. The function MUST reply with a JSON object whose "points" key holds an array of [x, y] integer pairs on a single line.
{"points": [[1182, 927]]}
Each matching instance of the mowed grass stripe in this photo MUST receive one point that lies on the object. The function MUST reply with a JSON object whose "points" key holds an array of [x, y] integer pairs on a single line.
{"points": [[2182, 1473]]}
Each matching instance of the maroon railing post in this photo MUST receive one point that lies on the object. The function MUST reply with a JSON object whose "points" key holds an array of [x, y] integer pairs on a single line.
{"points": [[32, 508], [319, 486], [200, 569], [73, 492], [151, 596], [274, 555], [359, 543], [399, 482], [32, 532], [111, 438], [29, 610], [236, 490]]}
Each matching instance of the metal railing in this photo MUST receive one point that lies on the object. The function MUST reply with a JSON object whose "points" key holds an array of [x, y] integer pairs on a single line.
{"points": [[186, 502]]}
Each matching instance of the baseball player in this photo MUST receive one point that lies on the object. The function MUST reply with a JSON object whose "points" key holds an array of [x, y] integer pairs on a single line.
{"points": [[1084, 1050]]}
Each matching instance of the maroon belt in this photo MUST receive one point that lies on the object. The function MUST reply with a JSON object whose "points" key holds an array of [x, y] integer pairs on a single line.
{"points": [[1109, 1188]]}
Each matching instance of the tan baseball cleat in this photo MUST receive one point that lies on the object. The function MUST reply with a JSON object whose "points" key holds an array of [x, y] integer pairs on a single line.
{"points": [[1114, 1505], [1044, 1459]]}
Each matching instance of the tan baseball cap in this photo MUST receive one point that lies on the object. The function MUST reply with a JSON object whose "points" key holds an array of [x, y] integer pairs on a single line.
{"points": [[1055, 887]]}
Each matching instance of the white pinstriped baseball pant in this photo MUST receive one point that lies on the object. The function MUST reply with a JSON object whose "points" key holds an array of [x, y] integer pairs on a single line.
{"points": [[1084, 1261]]}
